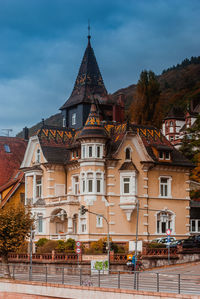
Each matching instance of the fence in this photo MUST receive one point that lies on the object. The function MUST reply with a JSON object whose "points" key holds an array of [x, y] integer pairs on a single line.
{"points": [[146, 280]]}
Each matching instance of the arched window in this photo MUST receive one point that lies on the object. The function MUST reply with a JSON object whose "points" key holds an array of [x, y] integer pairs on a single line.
{"points": [[128, 154], [165, 220], [38, 156]]}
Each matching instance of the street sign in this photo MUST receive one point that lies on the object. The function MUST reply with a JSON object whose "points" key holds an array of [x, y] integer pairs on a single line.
{"points": [[168, 239], [168, 232], [78, 244], [78, 250]]}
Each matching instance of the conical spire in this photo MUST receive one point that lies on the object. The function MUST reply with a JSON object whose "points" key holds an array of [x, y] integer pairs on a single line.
{"points": [[93, 127], [89, 80]]}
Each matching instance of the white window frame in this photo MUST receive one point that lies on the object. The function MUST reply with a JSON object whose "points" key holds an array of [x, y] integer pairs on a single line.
{"points": [[161, 157], [132, 183], [83, 151], [92, 177], [40, 221], [165, 219], [38, 155], [168, 184], [99, 221], [75, 184], [38, 187], [73, 118], [169, 157], [196, 230]]}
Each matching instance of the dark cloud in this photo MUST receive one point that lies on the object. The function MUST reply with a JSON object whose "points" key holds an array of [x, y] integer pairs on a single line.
{"points": [[42, 44]]}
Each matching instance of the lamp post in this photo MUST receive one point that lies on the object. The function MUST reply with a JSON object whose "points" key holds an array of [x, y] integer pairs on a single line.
{"points": [[83, 210]]}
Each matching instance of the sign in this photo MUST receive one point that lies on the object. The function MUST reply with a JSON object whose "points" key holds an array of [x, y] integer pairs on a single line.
{"points": [[78, 244], [78, 250], [101, 266], [168, 239], [168, 232]]}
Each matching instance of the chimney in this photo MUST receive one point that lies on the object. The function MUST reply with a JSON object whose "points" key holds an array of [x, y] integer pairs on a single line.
{"points": [[25, 133]]}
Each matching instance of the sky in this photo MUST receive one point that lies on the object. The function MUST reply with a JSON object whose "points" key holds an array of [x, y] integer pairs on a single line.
{"points": [[42, 43]]}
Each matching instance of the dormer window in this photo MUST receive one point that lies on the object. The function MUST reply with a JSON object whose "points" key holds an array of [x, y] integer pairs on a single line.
{"points": [[164, 155], [167, 155], [128, 154], [161, 155], [73, 119]]}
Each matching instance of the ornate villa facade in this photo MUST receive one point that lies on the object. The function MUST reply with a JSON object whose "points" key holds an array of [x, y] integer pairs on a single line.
{"points": [[108, 165]]}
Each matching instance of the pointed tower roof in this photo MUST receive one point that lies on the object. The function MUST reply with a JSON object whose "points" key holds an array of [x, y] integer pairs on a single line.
{"points": [[88, 82], [93, 127]]}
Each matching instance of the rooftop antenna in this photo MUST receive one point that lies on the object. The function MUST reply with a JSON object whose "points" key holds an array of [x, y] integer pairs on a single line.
{"points": [[89, 36], [7, 132]]}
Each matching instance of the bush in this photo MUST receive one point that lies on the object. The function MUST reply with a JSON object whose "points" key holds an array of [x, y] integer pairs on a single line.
{"points": [[41, 242], [47, 247], [156, 245]]}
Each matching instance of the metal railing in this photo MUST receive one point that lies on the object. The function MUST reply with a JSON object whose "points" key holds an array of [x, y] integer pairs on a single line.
{"points": [[144, 280]]}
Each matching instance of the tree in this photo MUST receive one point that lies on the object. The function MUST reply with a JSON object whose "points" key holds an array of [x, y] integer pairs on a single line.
{"points": [[15, 226], [191, 148], [147, 110]]}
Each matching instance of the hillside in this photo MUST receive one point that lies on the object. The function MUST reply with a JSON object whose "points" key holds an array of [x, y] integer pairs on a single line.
{"points": [[178, 85]]}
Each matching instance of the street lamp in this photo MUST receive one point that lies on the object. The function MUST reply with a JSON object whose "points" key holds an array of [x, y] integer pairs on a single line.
{"points": [[83, 210]]}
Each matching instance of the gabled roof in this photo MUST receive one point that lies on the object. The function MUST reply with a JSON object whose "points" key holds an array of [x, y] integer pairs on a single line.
{"points": [[175, 113], [88, 82], [13, 184], [12, 151]]}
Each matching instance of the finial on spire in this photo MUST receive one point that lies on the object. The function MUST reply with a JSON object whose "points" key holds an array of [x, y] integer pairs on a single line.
{"points": [[89, 36]]}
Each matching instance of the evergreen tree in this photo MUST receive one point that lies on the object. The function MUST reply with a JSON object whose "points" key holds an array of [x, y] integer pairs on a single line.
{"points": [[146, 110]]}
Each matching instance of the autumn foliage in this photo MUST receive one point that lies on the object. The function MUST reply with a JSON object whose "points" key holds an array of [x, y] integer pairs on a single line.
{"points": [[15, 226]]}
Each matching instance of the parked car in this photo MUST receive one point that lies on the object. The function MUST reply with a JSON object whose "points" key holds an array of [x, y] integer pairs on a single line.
{"points": [[164, 240], [191, 242]]}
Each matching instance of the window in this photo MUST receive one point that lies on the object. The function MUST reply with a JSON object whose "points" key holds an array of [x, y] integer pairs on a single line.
{"points": [[83, 151], [90, 185], [90, 151], [167, 155], [40, 224], [165, 187], [128, 154], [126, 184], [64, 122], [98, 151], [195, 225], [38, 156], [164, 221], [76, 184], [99, 221], [83, 227], [7, 148], [161, 155], [98, 186], [171, 138], [171, 123], [39, 187], [98, 182], [73, 118]]}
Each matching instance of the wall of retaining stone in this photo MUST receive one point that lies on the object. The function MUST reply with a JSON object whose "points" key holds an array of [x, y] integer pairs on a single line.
{"points": [[36, 290]]}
